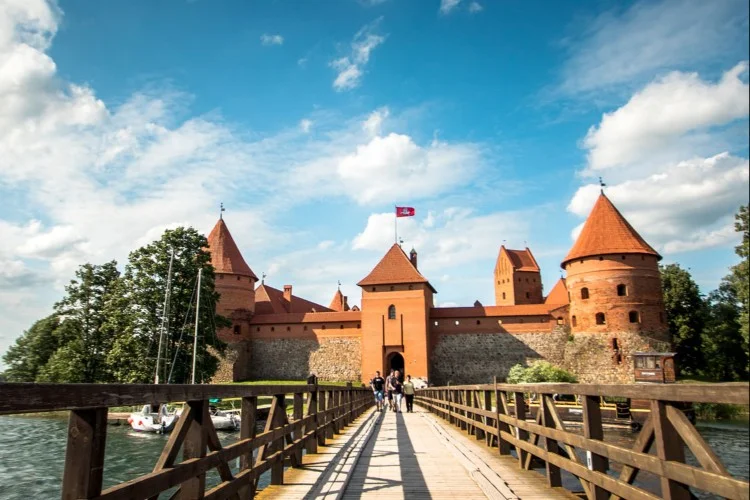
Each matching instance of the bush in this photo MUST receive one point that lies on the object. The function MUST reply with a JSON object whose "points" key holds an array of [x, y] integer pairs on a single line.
{"points": [[718, 411], [540, 371]]}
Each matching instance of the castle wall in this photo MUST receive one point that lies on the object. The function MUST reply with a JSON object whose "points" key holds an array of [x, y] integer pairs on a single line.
{"points": [[330, 358]]}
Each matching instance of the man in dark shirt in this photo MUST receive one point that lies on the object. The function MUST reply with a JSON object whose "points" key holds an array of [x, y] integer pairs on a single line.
{"points": [[377, 384]]}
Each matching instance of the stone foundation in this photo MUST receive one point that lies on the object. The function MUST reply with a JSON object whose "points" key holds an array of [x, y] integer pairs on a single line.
{"points": [[331, 358]]}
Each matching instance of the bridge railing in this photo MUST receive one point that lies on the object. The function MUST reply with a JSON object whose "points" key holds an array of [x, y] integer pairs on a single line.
{"points": [[329, 410], [527, 418]]}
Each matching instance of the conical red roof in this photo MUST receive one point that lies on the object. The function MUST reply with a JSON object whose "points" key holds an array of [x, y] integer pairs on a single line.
{"points": [[394, 268], [558, 294], [225, 256], [338, 303], [607, 232]]}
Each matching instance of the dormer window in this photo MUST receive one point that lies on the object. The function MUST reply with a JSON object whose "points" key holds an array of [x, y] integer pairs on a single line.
{"points": [[391, 312]]}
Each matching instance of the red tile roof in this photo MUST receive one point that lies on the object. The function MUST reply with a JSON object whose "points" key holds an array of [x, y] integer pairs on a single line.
{"points": [[492, 311], [270, 300], [394, 268], [559, 294], [607, 232], [522, 260], [225, 256], [338, 303]]}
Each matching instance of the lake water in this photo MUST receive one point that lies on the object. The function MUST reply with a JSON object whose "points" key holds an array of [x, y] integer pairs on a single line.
{"points": [[32, 453]]}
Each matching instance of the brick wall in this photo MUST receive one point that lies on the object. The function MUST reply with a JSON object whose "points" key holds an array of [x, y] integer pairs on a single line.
{"points": [[330, 358]]}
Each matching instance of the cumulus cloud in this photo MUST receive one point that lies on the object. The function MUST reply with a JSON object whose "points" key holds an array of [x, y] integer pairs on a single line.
{"points": [[305, 125], [268, 40], [475, 7], [446, 6], [658, 119], [350, 68], [374, 122], [629, 46]]}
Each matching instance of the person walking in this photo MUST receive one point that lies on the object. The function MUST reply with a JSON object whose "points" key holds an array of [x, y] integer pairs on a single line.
{"points": [[409, 394], [389, 389], [398, 389], [378, 384]]}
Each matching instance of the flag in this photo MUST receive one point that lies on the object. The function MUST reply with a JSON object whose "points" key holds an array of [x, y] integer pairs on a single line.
{"points": [[405, 211]]}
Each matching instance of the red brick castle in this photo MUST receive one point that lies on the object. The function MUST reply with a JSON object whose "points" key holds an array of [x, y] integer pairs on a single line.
{"points": [[608, 307]]}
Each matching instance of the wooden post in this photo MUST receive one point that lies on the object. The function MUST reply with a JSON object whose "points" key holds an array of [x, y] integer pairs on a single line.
{"points": [[469, 401], [349, 405], [462, 401], [194, 446], [488, 421], [84, 455], [592, 429], [521, 434], [503, 446], [320, 417], [312, 411], [554, 478], [297, 413], [277, 419], [330, 415], [249, 417], [669, 446]]}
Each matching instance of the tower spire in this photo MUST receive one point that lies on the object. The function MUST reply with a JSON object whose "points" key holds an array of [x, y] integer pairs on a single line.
{"points": [[601, 185], [221, 210]]}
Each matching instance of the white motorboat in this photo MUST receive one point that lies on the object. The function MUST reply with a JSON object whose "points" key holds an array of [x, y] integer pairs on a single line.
{"points": [[147, 421], [225, 420]]}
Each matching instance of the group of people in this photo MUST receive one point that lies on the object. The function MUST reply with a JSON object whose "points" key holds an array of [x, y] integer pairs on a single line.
{"points": [[393, 389]]}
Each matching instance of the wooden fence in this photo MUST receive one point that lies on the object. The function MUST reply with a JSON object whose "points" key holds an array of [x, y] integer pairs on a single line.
{"points": [[501, 415], [329, 409]]}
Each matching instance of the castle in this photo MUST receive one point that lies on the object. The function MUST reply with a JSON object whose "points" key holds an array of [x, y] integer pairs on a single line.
{"points": [[608, 307]]}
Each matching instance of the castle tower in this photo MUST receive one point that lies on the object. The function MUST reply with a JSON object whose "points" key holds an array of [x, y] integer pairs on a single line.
{"points": [[235, 281], [517, 278], [396, 302], [613, 278]]}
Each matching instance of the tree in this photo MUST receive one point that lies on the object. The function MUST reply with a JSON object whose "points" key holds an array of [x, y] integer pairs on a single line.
{"points": [[723, 360], [137, 312], [685, 316], [539, 371], [739, 278], [31, 351], [83, 308]]}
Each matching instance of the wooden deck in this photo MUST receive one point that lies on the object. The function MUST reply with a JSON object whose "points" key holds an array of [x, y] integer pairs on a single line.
{"points": [[409, 455]]}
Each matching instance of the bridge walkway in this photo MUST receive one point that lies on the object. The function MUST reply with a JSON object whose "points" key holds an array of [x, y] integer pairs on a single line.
{"points": [[409, 455]]}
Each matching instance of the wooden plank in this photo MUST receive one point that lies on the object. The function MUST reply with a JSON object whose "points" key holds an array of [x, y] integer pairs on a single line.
{"points": [[84, 455], [593, 429], [176, 437], [312, 411], [520, 407], [669, 446], [642, 444], [554, 479], [194, 446], [695, 442], [558, 424], [502, 409], [297, 415]]}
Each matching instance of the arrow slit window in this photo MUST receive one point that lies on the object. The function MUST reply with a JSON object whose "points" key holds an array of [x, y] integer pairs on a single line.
{"points": [[391, 312]]}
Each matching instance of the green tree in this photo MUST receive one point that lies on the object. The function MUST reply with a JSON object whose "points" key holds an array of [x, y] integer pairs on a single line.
{"points": [[83, 308], [539, 371], [136, 313], [31, 351], [685, 316], [739, 277], [723, 360]]}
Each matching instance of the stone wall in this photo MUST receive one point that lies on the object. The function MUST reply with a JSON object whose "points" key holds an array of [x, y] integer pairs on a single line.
{"points": [[330, 358], [474, 358]]}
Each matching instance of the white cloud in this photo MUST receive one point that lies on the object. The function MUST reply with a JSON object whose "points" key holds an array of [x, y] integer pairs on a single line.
{"points": [[305, 125], [374, 122], [350, 68], [267, 39], [475, 7], [629, 46], [446, 6], [655, 120]]}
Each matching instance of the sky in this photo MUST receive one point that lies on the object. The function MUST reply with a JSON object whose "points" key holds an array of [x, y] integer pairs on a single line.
{"points": [[311, 120]]}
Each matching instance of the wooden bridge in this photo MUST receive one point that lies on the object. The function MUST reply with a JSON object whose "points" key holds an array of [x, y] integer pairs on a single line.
{"points": [[478, 441]]}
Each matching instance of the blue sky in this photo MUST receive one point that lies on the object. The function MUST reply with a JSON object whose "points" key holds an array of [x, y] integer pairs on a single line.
{"points": [[310, 120]]}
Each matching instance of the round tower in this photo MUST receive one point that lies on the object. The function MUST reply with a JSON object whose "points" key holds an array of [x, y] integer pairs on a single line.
{"points": [[613, 278], [235, 281]]}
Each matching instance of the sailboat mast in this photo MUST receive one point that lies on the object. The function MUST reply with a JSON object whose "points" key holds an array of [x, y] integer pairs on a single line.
{"points": [[165, 312], [197, 315]]}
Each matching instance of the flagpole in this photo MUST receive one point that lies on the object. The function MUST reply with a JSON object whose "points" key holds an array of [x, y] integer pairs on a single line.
{"points": [[395, 223]]}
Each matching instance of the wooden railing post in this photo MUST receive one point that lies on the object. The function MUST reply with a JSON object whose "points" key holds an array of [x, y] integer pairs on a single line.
{"points": [[593, 429], [312, 411], [194, 446], [669, 446], [278, 419], [501, 400], [488, 421], [297, 412], [554, 477], [520, 405], [84, 456], [349, 404], [330, 414], [320, 421]]}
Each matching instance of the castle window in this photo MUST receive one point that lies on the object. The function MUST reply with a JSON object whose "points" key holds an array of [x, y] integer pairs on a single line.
{"points": [[359, 325], [519, 280], [257, 329], [411, 287], [623, 257], [527, 295], [560, 320], [341, 327], [457, 323], [288, 328], [237, 330], [304, 327], [239, 278], [643, 257], [601, 258], [479, 322], [600, 319], [393, 287], [584, 293], [634, 317], [391, 312], [498, 282], [323, 327], [622, 290], [273, 329], [436, 323], [373, 289], [615, 345], [503, 295], [574, 321]]}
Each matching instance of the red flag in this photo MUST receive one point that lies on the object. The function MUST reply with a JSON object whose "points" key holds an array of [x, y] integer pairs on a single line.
{"points": [[405, 211]]}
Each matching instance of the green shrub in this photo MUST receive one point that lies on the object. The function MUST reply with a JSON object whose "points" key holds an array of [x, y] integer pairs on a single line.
{"points": [[718, 411], [539, 371]]}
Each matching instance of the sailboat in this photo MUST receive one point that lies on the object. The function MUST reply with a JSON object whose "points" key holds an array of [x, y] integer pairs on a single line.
{"points": [[159, 420]]}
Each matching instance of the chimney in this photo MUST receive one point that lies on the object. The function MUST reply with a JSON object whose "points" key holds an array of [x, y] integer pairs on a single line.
{"points": [[288, 297], [413, 258], [346, 303]]}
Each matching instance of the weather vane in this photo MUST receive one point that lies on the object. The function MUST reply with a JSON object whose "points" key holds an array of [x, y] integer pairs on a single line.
{"points": [[262, 278], [221, 210], [601, 185], [339, 284]]}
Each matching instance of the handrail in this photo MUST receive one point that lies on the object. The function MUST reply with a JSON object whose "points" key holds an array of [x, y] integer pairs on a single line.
{"points": [[487, 412], [328, 410]]}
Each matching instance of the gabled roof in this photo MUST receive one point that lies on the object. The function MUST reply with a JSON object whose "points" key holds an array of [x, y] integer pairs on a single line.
{"points": [[394, 268], [607, 232], [491, 311], [225, 256], [558, 294], [521, 260], [270, 300], [338, 303]]}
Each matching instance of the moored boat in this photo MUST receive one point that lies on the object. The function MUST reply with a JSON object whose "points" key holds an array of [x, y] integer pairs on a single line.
{"points": [[160, 422]]}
